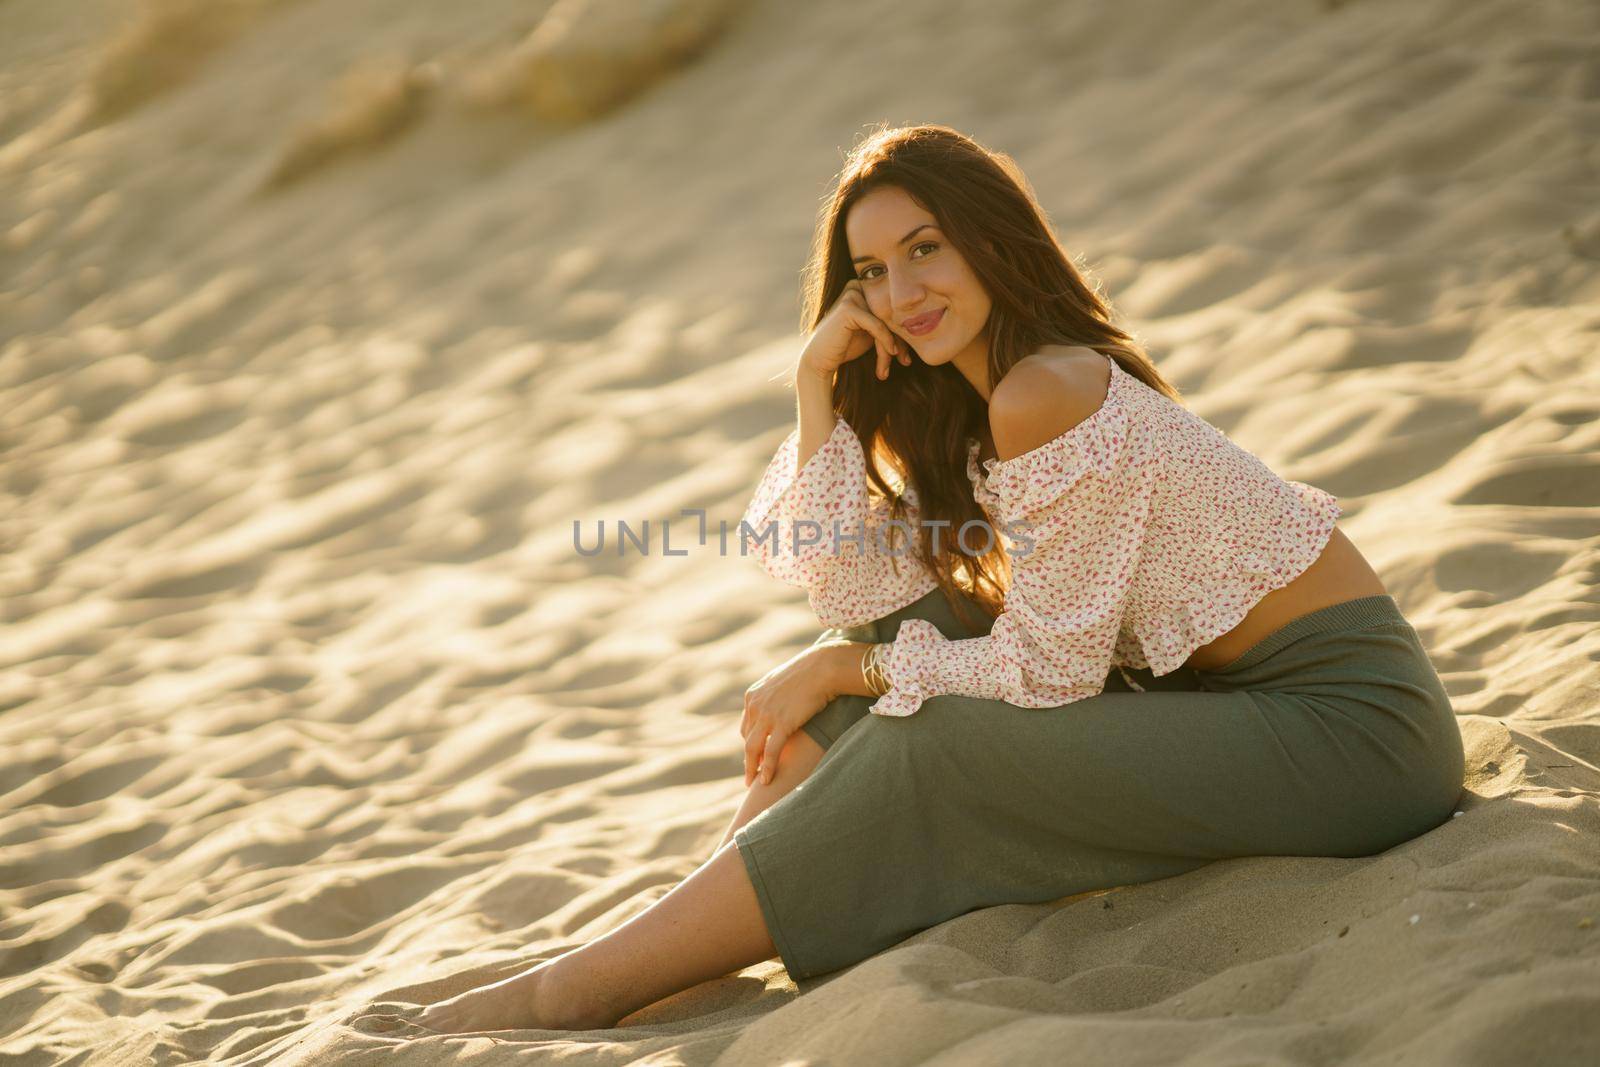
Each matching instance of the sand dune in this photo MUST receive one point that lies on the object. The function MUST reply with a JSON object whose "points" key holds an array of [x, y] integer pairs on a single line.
{"points": [[320, 324]]}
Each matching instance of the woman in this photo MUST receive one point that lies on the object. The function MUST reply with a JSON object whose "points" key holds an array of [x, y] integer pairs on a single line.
{"points": [[1164, 655]]}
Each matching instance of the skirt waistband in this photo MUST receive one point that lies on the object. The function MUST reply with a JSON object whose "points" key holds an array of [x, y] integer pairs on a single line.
{"points": [[1377, 610]]}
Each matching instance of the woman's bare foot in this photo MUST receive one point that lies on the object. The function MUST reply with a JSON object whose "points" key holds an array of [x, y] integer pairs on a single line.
{"points": [[708, 925], [531, 1000]]}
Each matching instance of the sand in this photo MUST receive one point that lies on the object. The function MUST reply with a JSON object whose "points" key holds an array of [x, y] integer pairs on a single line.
{"points": [[321, 324]]}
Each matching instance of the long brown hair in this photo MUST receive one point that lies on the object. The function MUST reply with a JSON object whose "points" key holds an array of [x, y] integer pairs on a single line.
{"points": [[919, 420]]}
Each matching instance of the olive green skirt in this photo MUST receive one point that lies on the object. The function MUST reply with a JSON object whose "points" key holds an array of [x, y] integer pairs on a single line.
{"points": [[1331, 736]]}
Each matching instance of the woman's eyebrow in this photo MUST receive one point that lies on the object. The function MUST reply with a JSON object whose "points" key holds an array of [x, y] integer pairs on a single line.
{"points": [[903, 240]]}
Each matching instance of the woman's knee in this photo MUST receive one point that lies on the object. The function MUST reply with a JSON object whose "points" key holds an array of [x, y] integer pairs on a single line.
{"points": [[836, 716], [797, 758], [921, 741]]}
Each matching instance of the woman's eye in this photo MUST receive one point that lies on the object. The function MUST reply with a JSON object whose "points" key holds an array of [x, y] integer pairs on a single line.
{"points": [[865, 276]]}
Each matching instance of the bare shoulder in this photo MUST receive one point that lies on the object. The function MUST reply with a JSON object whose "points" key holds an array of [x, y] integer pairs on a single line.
{"points": [[1044, 395]]}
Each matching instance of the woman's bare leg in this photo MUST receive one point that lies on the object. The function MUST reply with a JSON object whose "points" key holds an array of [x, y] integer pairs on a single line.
{"points": [[707, 926], [799, 757]]}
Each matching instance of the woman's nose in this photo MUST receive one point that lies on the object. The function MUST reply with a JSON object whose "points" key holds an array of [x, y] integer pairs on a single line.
{"points": [[905, 295]]}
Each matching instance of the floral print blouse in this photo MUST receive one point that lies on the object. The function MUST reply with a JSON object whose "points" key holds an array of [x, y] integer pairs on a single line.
{"points": [[1135, 537]]}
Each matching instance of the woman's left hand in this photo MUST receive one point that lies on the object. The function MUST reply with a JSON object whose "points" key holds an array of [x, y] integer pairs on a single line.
{"points": [[779, 703]]}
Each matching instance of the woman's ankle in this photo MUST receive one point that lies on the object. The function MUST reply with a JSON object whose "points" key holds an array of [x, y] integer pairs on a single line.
{"points": [[567, 989]]}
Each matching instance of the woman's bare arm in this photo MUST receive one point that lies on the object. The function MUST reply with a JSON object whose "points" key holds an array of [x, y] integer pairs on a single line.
{"points": [[814, 402]]}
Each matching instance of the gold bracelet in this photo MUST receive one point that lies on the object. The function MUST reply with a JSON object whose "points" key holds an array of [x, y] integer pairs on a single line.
{"points": [[880, 668], [872, 671], [866, 673]]}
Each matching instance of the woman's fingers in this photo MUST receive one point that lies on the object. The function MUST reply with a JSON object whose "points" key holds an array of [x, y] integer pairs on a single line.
{"points": [[886, 337], [885, 344], [756, 745], [752, 756], [769, 761], [761, 755], [886, 357]]}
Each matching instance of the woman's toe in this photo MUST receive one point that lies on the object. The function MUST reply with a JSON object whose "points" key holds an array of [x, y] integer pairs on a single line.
{"points": [[438, 1018]]}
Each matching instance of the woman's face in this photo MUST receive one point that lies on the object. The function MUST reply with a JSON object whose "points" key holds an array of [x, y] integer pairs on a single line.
{"points": [[909, 270]]}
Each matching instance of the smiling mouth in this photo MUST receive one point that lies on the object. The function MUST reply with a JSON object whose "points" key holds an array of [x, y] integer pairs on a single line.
{"points": [[923, 323]]}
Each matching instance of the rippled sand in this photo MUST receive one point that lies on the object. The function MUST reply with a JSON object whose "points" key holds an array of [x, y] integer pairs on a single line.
{"points": [[320, 325]]}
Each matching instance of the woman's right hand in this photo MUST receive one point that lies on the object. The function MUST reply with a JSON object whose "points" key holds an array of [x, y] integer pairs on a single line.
{"points": [[783, 700], [847, 331]]}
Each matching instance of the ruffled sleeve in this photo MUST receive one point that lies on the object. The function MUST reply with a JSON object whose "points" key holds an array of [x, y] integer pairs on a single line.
{"points": [[820, 529], [1074, 512]]}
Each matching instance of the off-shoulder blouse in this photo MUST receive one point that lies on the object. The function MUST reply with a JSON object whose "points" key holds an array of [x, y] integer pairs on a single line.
{"points": [[1135, 537]]}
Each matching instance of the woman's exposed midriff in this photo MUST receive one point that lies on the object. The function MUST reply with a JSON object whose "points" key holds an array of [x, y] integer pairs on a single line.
{"points": [[1339, 574]]}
